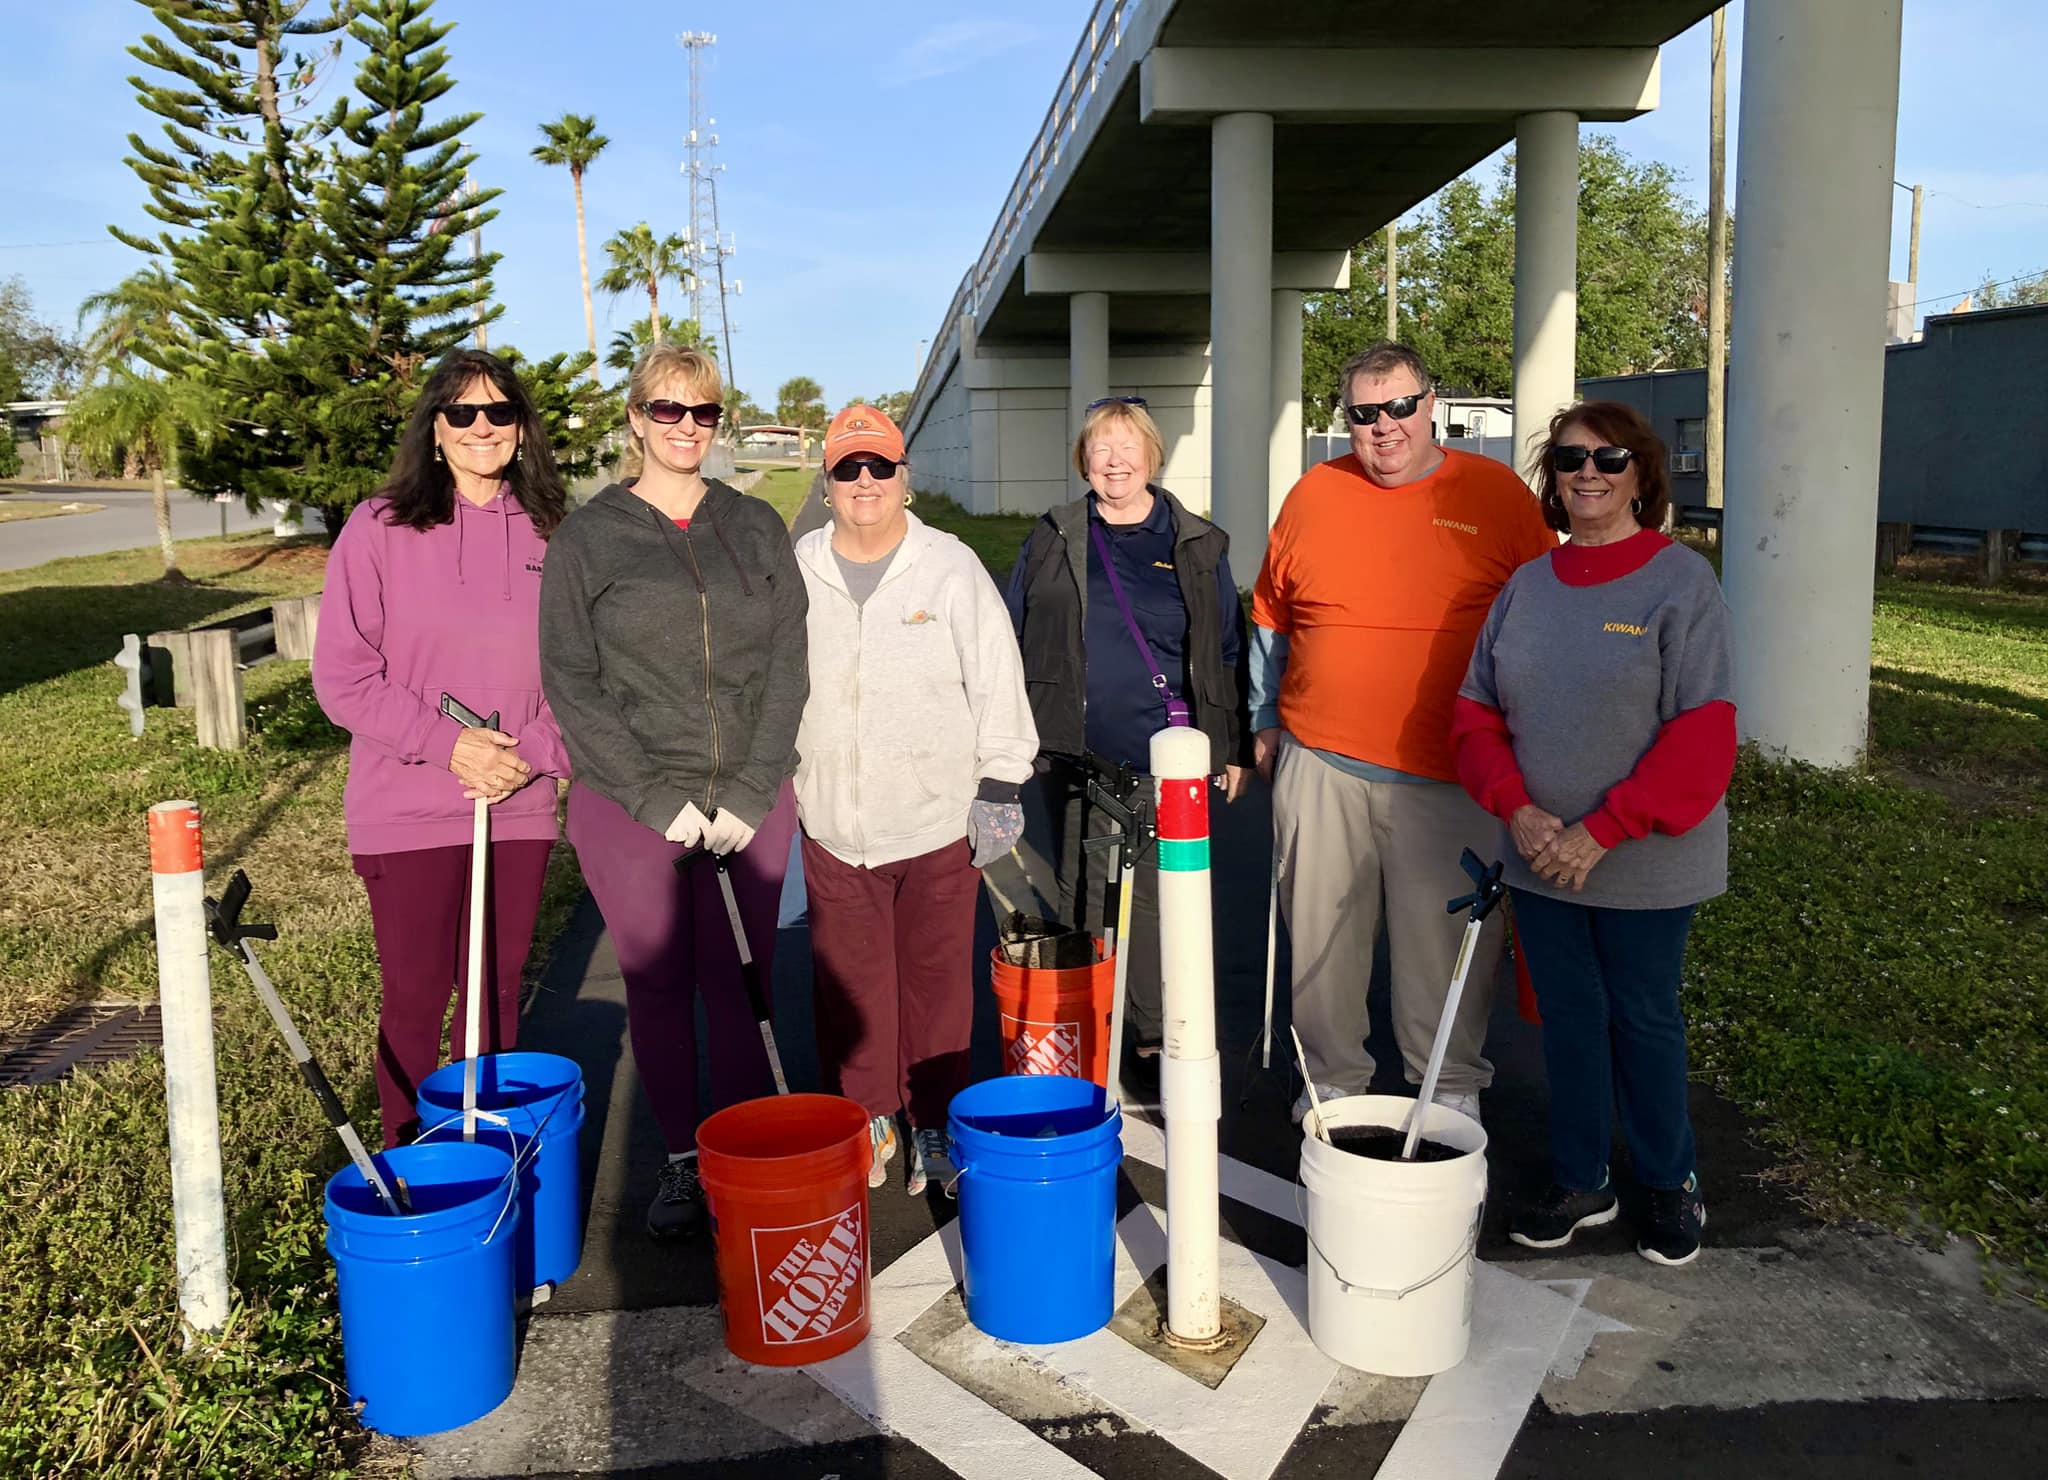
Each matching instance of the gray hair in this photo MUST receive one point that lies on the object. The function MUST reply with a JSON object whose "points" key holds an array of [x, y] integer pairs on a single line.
{"points": [[1378, 360]]}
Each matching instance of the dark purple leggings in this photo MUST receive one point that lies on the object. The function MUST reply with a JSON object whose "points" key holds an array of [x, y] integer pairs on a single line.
{"points": [[419, 908], [673, 941]]}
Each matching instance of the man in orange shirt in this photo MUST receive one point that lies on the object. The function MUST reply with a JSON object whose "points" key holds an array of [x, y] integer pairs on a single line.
{"points": [[1378, 575]]}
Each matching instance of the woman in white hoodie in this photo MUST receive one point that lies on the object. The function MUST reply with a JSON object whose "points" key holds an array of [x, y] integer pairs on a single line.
{"points": [[914, 740]]}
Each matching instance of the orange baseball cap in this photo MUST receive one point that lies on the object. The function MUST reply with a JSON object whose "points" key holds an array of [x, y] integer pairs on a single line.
{"points": [[861, 428]]}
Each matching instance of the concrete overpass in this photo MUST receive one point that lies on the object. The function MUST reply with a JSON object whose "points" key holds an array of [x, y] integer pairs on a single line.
{"points": [[1205, 162]]}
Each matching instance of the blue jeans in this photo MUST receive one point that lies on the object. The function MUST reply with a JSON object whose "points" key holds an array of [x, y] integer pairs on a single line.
{"points": [[1607, 984]]}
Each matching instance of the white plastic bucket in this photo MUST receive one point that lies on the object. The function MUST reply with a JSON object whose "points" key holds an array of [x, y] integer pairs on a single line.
{"points": [[1390, 1243]]}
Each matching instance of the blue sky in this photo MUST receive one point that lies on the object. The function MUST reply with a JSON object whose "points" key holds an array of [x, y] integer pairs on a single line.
{"points": [[867, 148]]}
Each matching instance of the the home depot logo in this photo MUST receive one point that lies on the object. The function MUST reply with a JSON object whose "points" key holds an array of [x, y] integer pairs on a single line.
{"points": [[1045, 1048], [811, 1278]]}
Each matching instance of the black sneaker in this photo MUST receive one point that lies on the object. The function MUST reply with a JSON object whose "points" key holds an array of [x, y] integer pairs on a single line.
{"points": [[1671, 1227], [1550, 1221], [678, 1207]]}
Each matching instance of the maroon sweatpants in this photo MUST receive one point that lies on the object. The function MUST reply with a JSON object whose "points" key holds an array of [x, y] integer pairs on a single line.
{"points": [[419, 909], [674, 941], [893, 952]]}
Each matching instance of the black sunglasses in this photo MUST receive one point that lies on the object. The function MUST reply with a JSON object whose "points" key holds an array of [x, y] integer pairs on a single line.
{"points": [[1365, 413], [847, 470], [1606, 459], [668, 413], [463, 413], [1097, 405]]}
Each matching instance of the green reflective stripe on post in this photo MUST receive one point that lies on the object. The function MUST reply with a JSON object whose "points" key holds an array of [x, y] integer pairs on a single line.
{"points": [[1183, 855]]}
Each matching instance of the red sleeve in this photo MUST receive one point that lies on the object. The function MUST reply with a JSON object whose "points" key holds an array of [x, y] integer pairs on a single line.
{"points": [[1680, 778], [1485, 758]]}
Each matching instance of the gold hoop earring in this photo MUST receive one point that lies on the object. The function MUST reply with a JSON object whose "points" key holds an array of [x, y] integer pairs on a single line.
{"points": [[909, 497]]}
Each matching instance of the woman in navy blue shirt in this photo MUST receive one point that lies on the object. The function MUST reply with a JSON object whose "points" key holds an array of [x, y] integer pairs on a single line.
{"points": [[1099, 696]]}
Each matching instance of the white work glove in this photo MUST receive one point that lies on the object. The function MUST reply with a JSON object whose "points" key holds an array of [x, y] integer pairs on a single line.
{"points": [[688, 828], [725, 834]]}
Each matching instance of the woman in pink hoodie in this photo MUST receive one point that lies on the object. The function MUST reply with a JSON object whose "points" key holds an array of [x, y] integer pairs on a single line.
{"points": [[434, 588]]}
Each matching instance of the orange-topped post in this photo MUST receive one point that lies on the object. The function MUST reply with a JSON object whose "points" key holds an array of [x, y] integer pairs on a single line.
{"points": [[185, 992]]}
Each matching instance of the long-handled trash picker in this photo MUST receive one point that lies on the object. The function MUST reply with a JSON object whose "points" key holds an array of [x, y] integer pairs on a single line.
{"points": [[224, 923], [1117, 792], [1265, 1044], [750, 969], [479, 863], [1487, 892]]}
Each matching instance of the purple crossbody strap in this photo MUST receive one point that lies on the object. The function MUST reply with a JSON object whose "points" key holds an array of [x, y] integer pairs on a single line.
{"points": [[1176, 708]]}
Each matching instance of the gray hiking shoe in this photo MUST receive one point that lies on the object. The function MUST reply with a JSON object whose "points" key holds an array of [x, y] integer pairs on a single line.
{"points": [[930, 1156]]}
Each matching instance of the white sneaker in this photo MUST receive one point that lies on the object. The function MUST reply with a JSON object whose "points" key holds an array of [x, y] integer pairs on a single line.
{"points": [[1465, 1103], [1324, 1092], [882, 1137]]}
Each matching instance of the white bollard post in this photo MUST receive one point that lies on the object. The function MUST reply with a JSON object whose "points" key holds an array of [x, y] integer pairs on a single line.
{"points": [[1191, 1078], [185, 991]]}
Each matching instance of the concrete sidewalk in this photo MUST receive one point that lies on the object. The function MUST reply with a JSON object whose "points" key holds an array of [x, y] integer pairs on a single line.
{"points": [[1788, 1349]]}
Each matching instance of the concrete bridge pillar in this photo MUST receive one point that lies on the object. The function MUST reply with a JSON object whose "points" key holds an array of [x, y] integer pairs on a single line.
{"points": [[1241, 330], [1820, 99], [1546, 272], [1087, 355], [1285, 451]]}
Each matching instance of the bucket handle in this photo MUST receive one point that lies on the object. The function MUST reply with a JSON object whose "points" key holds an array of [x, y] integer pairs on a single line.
{"points": [[1466, 1247], [512, 1176]]}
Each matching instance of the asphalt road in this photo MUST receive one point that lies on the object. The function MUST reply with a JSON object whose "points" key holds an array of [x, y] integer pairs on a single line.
{"points": [[124, 524]]}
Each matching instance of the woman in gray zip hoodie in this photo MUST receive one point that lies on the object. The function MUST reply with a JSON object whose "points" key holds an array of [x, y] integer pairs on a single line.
{"points": [[673, 653]]}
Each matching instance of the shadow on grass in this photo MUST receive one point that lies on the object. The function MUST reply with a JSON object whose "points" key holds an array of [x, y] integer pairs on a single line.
{"points": [[1986, 729], [48, 631]]}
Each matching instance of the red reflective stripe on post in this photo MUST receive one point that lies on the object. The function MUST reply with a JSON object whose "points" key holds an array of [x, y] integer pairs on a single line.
{"points": [[174, 838], [1184, 808]]}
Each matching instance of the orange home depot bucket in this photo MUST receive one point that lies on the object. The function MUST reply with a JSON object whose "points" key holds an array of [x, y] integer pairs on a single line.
{"points": [[1055, 1020], [786, 1180]]}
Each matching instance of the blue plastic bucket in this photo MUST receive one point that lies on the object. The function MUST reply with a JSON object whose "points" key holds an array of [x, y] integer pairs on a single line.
{"points": [[426, 1298], [1037, 1156], [522, 1149], [540, 1095]]}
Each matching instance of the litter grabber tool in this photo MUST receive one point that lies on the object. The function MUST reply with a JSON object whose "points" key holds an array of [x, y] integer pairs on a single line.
{"points": [[479, 856], [1487, 892], [224, 924], [1118, 791], [750, 969], [1315, 1101]]}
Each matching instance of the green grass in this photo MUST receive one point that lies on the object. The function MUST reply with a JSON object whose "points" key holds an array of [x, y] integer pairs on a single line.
{"points": [[996, 538], [786, 489], [1875, 983], [14, 510]]}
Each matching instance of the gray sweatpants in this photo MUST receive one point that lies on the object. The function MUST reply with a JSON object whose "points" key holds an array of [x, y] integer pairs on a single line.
{"points": [[1348, 849]]}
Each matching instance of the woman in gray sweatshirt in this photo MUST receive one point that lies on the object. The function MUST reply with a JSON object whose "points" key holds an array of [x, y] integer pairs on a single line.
{"points": [[673, 655], [1597, 722]]}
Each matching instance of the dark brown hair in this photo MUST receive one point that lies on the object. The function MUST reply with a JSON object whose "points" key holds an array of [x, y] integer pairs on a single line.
{"points": [[422, 489], [1617, 426]]}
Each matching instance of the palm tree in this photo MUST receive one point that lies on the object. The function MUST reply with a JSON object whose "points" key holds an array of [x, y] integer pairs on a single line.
{"points": [[630, 343], [142, 318], [142, 416], [640, 260], [573, 140]]}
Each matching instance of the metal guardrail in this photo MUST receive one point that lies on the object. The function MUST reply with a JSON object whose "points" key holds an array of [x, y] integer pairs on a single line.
{"points": [[1108, 24]]}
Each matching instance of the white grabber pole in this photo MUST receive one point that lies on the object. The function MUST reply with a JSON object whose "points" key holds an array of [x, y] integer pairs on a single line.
{"points": [[479, 866], [185, 992], [1191, 1078]]}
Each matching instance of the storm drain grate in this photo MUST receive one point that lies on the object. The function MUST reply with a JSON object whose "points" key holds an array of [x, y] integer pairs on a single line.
{"points": [[80, 1038]]}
